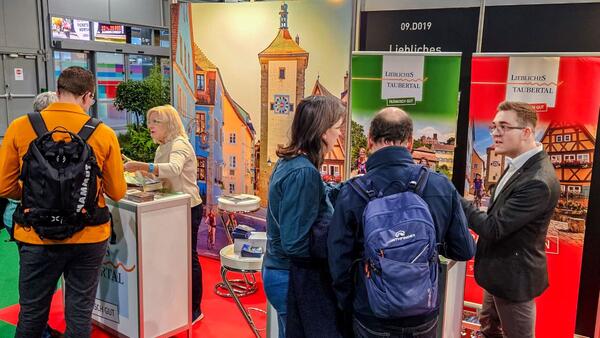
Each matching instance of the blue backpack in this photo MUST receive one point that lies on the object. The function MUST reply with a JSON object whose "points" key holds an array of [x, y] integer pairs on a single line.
{"points": [[400, 249]]}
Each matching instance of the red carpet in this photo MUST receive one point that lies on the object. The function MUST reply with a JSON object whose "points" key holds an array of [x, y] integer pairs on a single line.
{"points": [[222, 318]]}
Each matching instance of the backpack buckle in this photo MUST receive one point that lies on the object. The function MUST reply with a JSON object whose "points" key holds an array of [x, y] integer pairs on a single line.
{"points": [[412, 185], [370, 267]]}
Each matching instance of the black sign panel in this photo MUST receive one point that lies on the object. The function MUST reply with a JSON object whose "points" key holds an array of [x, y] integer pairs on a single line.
{"points": [[430, 30], [426, 30], [542, 28]]}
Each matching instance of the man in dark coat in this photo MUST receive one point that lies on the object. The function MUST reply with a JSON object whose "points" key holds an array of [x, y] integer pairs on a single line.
{"points": [[510, 263]]}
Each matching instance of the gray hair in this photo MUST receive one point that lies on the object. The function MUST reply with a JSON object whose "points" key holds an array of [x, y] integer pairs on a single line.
{"points": [[43, 100]]}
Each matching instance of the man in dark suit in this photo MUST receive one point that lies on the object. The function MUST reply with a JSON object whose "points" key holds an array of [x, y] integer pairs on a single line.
{"points": [[510, 262]]}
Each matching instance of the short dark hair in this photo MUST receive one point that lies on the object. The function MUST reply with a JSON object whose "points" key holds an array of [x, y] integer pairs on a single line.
{"points": [[314, 116], [391, 125], [526, 115], [77, 81]]}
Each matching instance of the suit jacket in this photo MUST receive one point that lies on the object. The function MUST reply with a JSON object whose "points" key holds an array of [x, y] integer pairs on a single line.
{"points": [[510, 261]]}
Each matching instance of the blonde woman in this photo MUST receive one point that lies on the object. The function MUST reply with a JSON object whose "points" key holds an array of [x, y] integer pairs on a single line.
{"points": [[175, 165]]}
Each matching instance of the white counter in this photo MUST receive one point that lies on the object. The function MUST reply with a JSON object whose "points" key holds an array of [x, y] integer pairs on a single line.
{"points": [[145, 279]]}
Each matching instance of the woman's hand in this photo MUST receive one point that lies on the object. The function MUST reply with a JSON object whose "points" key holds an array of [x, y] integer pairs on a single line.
{"points": [[125, 158], [133, 166]]}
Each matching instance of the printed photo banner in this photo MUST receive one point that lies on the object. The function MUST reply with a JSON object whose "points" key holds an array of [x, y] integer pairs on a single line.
{"points": [[424, 85], [246, 83], [565, 90]]}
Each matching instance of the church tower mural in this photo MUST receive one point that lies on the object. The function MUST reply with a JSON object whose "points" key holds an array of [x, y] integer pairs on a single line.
{"points": [[282, 69]]}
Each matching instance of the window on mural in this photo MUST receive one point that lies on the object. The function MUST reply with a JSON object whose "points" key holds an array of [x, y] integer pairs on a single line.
{"points": [[200, 82], [232, 138], [231, 188], [333, 170], [281, 73], [201, 125], [232, 161], [583, 157], [201, 168], [559, 138], [567, 138]]}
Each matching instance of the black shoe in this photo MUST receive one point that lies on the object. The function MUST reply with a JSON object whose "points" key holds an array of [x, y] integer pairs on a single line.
{"points": [[197, 316], [52, 333]]}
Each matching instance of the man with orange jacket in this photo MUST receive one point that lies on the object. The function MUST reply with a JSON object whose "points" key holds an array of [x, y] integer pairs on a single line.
{"points": [[79, 257]]}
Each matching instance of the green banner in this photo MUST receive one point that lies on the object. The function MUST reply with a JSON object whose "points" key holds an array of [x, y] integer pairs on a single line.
{"points": [[440, 88], [425, 86]]}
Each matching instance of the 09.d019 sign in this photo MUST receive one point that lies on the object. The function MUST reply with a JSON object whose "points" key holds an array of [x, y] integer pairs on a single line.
{"points": [[427, 30]]}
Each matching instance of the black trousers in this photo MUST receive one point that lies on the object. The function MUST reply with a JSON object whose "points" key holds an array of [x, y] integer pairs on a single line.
{"points": [[196, 268], [40, 267], [502, 318]]}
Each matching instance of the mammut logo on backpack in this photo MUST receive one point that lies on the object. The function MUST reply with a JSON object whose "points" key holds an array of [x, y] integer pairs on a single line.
{"points": [[84, 187], [400, 256]]}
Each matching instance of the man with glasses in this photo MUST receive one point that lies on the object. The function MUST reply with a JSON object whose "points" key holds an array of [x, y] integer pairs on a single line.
{"points": [[78, 257], [510, 262]]}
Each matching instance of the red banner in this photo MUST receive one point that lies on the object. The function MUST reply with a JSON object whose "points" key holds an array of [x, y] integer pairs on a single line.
{"points": [[565, 90]]}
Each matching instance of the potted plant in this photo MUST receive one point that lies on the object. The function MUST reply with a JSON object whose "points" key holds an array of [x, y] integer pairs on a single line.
{"points": [[136, 97]]}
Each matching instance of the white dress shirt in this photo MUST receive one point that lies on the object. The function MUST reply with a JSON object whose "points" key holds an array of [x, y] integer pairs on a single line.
{"points": [[516, 164]]}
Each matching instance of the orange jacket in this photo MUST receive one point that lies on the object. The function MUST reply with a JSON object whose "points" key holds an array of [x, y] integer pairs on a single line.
{"points": [[106, 148]]}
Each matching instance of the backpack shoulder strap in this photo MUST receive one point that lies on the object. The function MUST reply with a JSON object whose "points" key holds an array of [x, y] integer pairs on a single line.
{"points": [[88, 128], [37, 122], [361, 188], [422, 180], [418, 179]]}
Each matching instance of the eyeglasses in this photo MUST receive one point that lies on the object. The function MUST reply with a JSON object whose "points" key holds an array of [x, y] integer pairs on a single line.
{"points": [[154, 121], [503, 128], [92, 98]]}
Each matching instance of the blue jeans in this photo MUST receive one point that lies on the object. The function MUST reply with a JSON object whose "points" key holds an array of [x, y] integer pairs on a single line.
{"points": [[40, 269], [276, 282], [427, 330]]}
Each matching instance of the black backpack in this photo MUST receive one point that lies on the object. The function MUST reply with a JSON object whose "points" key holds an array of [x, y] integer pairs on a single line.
{"points": [[60, 194]]}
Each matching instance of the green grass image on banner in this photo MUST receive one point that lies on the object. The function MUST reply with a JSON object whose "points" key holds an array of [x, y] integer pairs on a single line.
{"points": [[440, 88]]}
